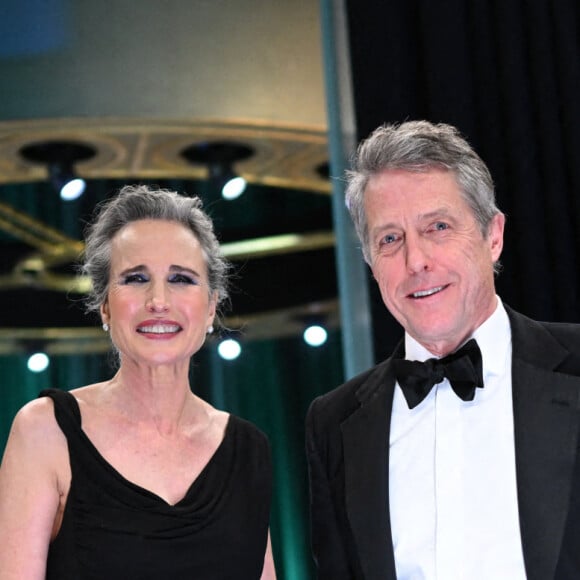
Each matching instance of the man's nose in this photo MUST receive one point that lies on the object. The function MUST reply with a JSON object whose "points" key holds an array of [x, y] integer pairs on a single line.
{"points": [[417, 253]]}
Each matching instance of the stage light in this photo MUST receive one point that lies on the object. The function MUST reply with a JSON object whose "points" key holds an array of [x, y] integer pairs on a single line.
{"points": [[38, 362], [60, 158], [229, 349], [64, 180], [219, 158], [315, 335], [233, 187]]}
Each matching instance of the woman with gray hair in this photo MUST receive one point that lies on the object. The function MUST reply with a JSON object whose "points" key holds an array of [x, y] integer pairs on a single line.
{"points": [[137, 477]]}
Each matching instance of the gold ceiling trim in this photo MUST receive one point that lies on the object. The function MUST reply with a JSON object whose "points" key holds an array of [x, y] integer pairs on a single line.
{"points": [[281, 244], [56, 246], [54, 341], [285, 155]]}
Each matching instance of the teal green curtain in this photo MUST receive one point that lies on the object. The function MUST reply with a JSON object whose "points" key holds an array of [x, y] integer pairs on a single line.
{"points": [[271, 384], [18, 385]]}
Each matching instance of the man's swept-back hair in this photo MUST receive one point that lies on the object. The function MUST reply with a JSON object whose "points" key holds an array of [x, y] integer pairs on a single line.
{"points": [[419, 146]]}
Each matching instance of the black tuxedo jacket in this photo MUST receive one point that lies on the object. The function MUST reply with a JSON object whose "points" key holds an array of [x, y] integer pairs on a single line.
{"points": [[347, 437]]}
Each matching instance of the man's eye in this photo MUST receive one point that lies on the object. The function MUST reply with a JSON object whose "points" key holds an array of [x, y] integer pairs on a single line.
{"points": [[440, 226], [389, 239]]}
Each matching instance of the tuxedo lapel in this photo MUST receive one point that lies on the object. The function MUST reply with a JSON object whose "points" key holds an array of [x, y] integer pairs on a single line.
{"points": [[546, 439], [366, 447]]}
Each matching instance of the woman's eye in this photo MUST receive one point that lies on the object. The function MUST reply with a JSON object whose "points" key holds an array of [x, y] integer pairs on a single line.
{"points": [[183, 279], [134, 279]]}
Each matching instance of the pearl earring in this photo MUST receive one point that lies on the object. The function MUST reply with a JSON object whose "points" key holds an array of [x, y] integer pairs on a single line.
{"points": [[210, 329], [105, 327]]}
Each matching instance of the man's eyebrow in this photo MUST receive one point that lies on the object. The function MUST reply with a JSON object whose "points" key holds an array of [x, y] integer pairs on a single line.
{"points": [[442, 211], [439, 212]]}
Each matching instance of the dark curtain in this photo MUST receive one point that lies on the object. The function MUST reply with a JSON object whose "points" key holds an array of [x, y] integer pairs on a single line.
{"points": [[507, 74]]}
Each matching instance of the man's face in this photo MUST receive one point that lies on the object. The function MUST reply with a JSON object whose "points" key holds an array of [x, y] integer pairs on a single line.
{"points": [[433, 266]]}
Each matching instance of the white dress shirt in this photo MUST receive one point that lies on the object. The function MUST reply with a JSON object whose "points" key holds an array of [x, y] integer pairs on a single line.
{"points": [[452, 476]]}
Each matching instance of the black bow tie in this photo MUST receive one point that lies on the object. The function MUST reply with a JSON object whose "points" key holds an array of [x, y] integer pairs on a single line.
{"points": [[463, 370]]}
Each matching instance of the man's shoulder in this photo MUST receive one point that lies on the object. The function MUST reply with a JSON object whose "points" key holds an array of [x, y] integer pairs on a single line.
{"points": [[345, 398], [567, 333], [543, 342]]}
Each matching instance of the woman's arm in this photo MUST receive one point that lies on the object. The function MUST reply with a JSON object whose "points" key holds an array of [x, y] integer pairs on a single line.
{"points": [[30, 491]]}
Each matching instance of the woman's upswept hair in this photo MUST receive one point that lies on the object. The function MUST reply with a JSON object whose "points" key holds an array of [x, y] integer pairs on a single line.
{"points": [[140, 202]]}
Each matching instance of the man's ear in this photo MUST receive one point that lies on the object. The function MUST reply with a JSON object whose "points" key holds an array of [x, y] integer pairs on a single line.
{"points": [[495, 235]]}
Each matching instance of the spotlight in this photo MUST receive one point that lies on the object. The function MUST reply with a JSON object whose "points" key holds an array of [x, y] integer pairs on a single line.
{"points": [[314, 325], [233, 187], [315, 335], [64, 181], [60, 158], [38, 362], [219, 157], [229, 349]]}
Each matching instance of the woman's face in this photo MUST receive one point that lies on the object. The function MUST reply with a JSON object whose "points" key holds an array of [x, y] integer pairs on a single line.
{"points": [[159, 304]]}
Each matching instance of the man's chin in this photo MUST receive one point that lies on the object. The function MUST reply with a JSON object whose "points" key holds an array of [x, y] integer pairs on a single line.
{"points": [[435, 338]]}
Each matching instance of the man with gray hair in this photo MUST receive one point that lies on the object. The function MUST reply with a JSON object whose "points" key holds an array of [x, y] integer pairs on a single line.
{"points": [[457, 457]]}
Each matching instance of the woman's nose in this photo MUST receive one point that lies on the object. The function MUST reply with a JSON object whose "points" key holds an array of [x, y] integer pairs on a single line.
{"points": [[157, 300]]}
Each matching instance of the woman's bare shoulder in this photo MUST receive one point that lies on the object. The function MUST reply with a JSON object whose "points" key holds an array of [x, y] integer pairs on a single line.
{"points": [[36, 434], [36, 415], [34, 479], [34, 428]]}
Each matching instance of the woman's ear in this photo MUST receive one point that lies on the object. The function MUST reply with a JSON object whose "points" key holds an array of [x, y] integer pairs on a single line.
{"points": [[105, 312], [213, 301]]}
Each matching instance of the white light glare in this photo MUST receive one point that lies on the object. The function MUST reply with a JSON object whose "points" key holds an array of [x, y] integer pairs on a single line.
{"points": [[38, 362], [234, 188], [73, 189], [229, 349], [315, 335]]}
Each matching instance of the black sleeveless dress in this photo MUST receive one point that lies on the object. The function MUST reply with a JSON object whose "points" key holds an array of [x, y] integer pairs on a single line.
{"points": [[113, 529]]}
